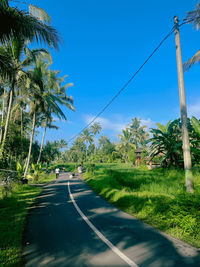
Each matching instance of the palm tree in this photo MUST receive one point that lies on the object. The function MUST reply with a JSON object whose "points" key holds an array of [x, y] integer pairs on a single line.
{"points": [[53, 86], [77, 150], [125, 144], [193, 17], [62, 143], [139, 134], [16, 51], [44, 99], [3, 91], [96, 129], [32, 26], [86, 137], [46, 124], [36, 107]]}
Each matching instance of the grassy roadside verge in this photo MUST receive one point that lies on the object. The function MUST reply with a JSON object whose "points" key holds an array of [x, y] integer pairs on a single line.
{"points": [[157, 197], [13, 212]]}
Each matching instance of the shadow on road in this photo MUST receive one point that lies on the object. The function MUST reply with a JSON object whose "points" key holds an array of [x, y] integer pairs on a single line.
{"points": [[56, 235]]}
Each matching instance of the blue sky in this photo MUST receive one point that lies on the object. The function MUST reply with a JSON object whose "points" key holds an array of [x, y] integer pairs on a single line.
{"points": [[105, 41]]}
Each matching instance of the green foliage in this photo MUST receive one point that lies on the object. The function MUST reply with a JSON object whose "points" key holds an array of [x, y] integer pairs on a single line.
{"points": [[50, 152], [13, 213], [85, 147], [131, 156], [157, 197], [166, 142], [36, 171], [196, 125], [138, 132], [20, 171]]}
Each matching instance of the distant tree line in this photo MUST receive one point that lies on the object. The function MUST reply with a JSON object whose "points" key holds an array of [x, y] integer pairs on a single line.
{"points": [[161, 145]]}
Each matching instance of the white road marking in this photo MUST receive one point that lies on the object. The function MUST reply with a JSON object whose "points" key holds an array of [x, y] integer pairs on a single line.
{"points": [[99, 234]]}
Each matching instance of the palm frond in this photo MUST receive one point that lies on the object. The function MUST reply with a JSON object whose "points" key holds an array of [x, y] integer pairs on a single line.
{"points": [[39, 13], [190, 62], [33, 54], [196, 125], [194, 16], [6, 67], [19, 24]]}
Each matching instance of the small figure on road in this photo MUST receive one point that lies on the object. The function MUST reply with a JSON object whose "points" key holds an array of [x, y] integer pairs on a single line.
{"points": [[80, 170], [72, 175], [57, 171], [63, 168]]}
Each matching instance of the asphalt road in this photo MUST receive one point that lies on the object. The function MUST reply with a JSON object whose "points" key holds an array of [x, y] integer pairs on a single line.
{"points": [[69, 225]]}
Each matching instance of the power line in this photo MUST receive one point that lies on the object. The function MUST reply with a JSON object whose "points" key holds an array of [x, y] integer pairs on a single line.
{"points": [[130, 80]]}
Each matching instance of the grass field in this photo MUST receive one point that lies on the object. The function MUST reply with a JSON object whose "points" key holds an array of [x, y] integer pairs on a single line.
{"points": [[13, 213], [157, 197]]}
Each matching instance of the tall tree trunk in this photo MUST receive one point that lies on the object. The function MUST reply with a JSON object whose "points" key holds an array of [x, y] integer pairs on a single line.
{"points": [[7, 121], [22, 128], [41, 146], [86, 152], [95, 145], [30, 146], [2, 115], [22, 122]]}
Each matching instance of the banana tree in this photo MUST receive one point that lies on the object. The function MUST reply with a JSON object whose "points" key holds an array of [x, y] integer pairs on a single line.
{"points": [[166, 142]]}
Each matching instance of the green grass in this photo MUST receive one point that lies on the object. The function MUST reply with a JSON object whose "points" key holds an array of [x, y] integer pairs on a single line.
{"points": [[157, 197], [46, 178], [13, 213]]}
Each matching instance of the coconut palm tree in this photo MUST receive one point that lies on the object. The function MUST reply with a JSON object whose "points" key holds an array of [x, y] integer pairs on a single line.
{"points": [[125, 143], [44, 99], [53, 86], [3, 96], [21, 57], [96, 129], [194, 18], [47, 123], [86, 137], [32, 25], [29, 26], [139, 134]]}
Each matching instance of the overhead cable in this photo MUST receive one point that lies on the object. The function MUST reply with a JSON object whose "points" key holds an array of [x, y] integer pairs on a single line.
{"points": [[130, 80]]}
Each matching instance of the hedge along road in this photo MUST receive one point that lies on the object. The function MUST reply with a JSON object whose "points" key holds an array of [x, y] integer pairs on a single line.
{"points": [[69, 225]]}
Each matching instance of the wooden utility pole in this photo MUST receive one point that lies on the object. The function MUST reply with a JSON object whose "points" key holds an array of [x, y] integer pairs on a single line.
{"points": [[183, 109]]}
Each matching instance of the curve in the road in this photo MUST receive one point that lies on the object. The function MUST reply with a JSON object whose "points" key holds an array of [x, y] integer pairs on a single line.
{"points": [[99, 234]]}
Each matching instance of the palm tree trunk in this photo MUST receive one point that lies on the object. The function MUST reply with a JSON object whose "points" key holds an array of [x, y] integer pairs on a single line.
{"points": [[86, 152], [21, 122], [30, 146], [7, 121], [41, 146], [95, 142], [2, 115]]}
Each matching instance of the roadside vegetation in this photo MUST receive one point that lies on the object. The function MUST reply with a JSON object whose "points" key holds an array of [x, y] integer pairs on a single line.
{"points": [[156, 196], [32, 97], [13, 212]]}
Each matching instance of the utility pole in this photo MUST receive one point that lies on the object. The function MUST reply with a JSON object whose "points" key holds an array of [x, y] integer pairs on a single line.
{"points": [[183, 110]]}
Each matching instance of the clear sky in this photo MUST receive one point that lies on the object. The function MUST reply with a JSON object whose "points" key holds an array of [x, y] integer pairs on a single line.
{"points": [[105, 41]]}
